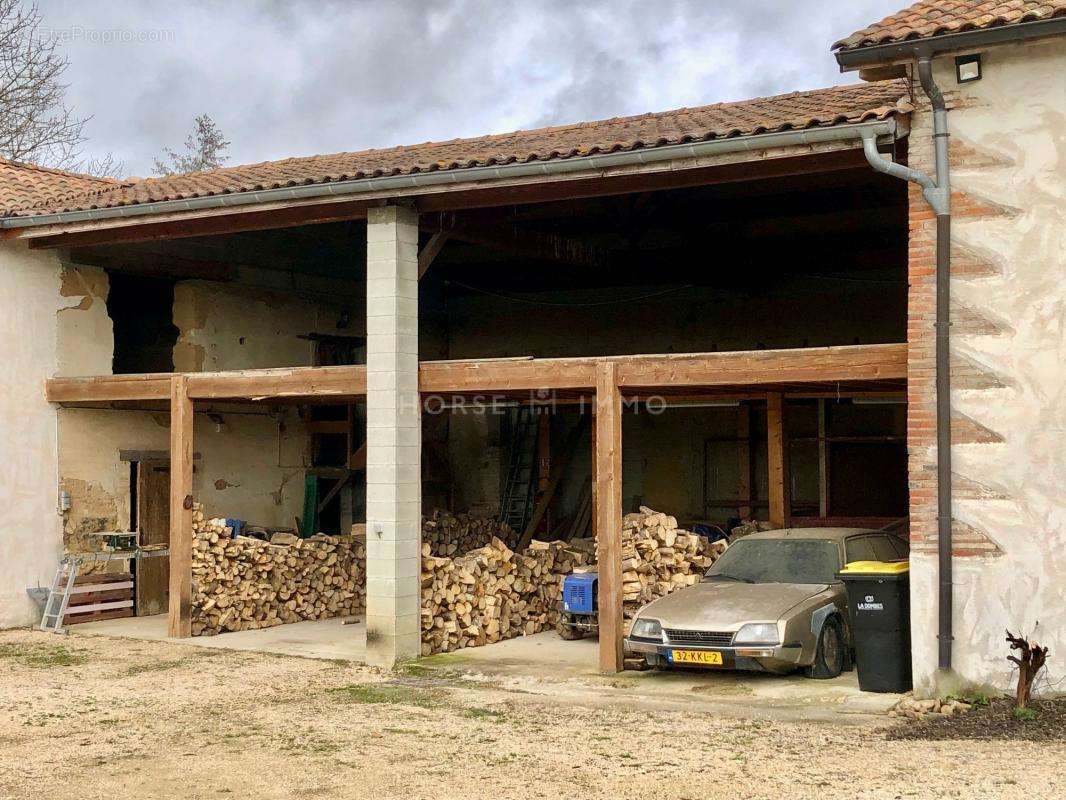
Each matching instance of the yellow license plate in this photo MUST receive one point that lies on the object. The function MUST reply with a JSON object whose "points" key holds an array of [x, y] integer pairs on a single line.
{"points": [[697, 657]]}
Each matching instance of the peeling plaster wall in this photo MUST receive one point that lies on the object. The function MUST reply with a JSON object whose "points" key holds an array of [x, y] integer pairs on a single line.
{"points": [[30, 539], [248, 470], [251, 467], [1009, 367], [235, 327]]}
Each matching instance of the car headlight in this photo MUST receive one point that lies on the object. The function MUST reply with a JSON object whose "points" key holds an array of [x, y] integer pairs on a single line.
{"points": [[757, 633], [646, 629]]}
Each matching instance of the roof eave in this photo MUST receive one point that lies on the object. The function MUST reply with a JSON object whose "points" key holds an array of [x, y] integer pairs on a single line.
{"points": [[884, 126], [906, 50]]}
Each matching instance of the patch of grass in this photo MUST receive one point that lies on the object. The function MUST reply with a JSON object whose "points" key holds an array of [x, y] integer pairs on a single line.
{"points": [[155, 666], [485, 713], [401, 731], [385, 694], [38, 656], [1024, 713]]}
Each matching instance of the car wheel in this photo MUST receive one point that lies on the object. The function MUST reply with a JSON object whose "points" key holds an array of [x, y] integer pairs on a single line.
{"points": [[829, 655]]}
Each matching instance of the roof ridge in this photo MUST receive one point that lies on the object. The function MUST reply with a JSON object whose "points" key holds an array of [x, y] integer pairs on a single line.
{"points": [[565, 126], [929, 18]]}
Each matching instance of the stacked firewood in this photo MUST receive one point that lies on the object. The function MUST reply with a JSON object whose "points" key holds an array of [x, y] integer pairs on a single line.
{"points": [[450, 534], [245, 583], [493, 593], [658, 557]]}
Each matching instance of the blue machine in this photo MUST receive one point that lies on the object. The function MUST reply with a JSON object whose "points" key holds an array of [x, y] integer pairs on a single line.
{"points": [[578, 614]]}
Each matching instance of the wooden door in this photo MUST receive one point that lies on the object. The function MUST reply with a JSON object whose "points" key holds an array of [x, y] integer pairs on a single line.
{"points": [[153, 523]]}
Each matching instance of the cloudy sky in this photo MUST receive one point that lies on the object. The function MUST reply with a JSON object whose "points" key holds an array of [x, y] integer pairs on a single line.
{"points": [[285, 78]]}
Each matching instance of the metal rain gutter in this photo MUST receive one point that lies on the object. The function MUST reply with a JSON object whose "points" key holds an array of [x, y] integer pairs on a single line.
{"points": [[886, 53], [937, 193], [562, 166]]}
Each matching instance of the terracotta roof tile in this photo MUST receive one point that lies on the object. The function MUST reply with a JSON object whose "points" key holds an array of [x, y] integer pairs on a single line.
{"points": [[937, 17], [822, 107], [23, 185]]}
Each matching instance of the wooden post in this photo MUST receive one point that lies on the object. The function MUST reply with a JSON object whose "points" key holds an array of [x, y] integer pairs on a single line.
{"points": [[179, 623], [823, 463], [608, 510], [593, 522], [777, 460], [744, 460]]}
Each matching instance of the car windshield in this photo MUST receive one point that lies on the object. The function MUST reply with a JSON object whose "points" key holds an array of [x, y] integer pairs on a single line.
{"points": [[777, 561]]}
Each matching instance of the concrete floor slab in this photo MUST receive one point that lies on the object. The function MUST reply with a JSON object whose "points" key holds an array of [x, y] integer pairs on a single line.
{"points": [[546, 665], [324, 638]]}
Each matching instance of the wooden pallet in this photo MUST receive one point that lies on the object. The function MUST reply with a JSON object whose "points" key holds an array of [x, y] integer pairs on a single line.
{"points": [[113, 600]]}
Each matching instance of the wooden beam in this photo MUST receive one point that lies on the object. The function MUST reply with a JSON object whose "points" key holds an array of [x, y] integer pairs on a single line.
{"points": [[830, 365], [108, 388], [153, 264], [777, 460], [609, 515], [754, 367], [291, 382], [497, 375], [432, 249], [533, 245], [179, 622]]}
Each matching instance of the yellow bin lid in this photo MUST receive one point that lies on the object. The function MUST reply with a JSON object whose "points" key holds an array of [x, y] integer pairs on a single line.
{"points": [[876, 567]]}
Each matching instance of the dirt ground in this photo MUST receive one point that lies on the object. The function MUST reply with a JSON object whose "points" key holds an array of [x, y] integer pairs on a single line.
{"points": [[95, 717]]}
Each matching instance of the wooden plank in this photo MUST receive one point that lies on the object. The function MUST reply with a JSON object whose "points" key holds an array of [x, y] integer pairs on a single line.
{"points": [[777, 460], [179, 623], [429, 253], [109, 586], [100, 607], [751, 368], [609, 515]]}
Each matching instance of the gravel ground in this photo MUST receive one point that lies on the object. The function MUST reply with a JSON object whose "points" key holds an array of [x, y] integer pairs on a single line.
{"points": [[103, 718]]}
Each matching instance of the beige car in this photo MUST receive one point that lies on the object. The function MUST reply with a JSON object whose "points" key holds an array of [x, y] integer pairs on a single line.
{"points": [[772, 602]]}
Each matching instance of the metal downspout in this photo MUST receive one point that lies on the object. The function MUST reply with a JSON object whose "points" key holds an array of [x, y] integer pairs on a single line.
{"points": [[938, 194], [943, 360]]}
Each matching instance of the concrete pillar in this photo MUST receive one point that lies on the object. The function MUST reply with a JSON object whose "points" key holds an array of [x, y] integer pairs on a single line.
{"points": [[394, 437]]}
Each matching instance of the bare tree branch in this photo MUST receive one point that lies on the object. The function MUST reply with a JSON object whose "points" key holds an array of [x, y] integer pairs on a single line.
{"points": [[35, 124], [105, 166]]}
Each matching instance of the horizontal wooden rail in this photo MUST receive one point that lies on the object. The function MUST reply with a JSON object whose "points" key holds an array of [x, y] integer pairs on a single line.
{"points": [[875, 362]]}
